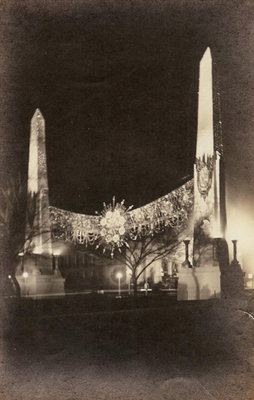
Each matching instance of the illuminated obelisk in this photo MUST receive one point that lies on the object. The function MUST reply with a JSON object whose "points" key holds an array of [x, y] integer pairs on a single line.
{"points": [[206, 172], [36, 274], [39, 241], [202, 281]]}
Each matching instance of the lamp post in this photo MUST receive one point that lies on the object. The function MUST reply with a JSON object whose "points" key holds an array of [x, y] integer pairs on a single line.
{"points": [[56, 255], [187, 261], [56, 264], [236, 274], [119, 276], [146, 286], [25, 276], [21, 255], [235, 251]]}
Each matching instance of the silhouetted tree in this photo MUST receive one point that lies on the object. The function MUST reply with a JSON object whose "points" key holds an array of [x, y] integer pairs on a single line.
{"points": [[17, 213], [143, 252]]}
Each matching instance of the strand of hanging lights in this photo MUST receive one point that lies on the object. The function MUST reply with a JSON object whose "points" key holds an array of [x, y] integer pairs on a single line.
{"points": [[116, 224]]}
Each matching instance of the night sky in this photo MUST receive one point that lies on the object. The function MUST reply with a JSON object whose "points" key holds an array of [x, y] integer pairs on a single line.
{"points": [[117, 84]]}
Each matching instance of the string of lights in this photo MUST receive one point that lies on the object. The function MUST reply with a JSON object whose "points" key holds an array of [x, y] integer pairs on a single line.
{"points": [[116, 224]]}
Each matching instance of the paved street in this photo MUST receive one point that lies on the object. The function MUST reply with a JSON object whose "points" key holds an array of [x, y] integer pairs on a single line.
{"points": [[199, 350]]}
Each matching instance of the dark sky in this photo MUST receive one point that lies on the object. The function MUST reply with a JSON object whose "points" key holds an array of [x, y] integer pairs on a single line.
{"points": [[117, 83]]}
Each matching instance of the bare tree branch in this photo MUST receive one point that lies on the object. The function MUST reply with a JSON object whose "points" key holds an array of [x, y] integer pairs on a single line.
{"points": [[142, 253]]}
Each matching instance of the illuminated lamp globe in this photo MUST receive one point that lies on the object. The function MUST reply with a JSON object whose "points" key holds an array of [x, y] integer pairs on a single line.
{"points": [[119, 275]]}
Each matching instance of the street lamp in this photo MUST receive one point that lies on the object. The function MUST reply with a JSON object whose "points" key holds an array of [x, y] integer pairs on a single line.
{"points": [[56, 254], [235, 261], [25, 276], [55, 265], [21, 255], [119, 276]]}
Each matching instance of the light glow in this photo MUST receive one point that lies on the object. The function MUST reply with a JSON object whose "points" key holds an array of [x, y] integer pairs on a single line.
{"points": [[205, 107], [57, 252], [241, 228], [119, 275]]}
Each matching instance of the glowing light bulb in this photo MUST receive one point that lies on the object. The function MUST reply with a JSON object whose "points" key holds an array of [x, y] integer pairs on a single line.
{"points": [[119, 275]]}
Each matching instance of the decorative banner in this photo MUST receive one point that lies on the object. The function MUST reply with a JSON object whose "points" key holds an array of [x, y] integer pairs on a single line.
{"points": [[205, 174], [116, 224]]}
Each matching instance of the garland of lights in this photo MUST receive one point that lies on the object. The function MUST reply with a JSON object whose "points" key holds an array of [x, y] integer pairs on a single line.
{"points": [[116, 224]]}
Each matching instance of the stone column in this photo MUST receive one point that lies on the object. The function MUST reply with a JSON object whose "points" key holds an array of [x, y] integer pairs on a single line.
{"points": [[203, 280], [38, 258], [206, 185], [38, 227]]}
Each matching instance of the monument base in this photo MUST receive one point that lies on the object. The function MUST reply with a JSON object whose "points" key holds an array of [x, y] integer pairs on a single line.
{"points": [[36, 276], [232, 280], [41, 285], [199, 283]]}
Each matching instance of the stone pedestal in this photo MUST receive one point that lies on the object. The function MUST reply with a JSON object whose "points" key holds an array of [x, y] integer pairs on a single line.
{"points": [[199, 283], [36, 276], [232, 280], [41, 285]]}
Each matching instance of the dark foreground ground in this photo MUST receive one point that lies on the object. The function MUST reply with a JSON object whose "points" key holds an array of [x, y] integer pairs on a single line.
{"points": [[102, 348]]}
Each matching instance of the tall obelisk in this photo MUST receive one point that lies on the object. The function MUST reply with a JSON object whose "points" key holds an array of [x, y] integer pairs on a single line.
{"points": [[206, 172], [36, 275], [38, 228], [202, 281]]}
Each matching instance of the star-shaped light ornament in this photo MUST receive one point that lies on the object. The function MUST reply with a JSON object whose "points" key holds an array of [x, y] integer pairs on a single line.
{"points": [[113, 226]]}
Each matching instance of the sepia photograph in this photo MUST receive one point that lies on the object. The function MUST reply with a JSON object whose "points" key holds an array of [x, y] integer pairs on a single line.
{"points": [[126, 200]]}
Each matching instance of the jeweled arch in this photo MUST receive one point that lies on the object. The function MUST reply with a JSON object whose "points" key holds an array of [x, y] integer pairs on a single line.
{"points": [[200, 200]]}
